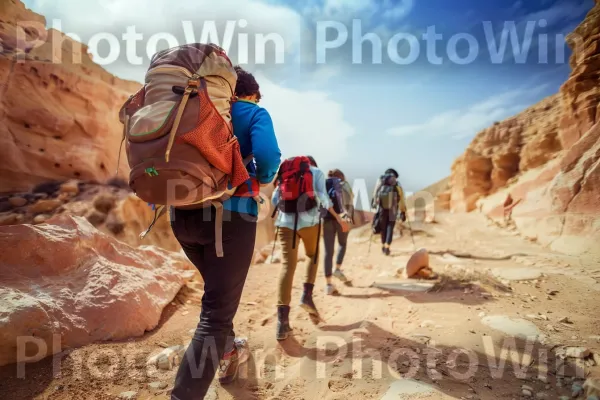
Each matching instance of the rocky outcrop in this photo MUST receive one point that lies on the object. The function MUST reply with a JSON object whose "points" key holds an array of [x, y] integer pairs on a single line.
{"points": [[557, 143], [504, 150], [66, 126], [68, 281], [581, 92]]}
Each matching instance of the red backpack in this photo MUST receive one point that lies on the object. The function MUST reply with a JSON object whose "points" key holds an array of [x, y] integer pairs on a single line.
{"points": [[295, 182], [296, 190]]}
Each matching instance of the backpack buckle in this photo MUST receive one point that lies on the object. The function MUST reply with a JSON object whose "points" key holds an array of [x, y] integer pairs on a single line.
{"points": [[151, 171], [194, 82]]}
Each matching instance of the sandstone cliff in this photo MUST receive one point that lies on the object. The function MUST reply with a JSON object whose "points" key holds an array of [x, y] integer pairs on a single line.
{"points": [[58, 110], [505, 150], [547, 158]]}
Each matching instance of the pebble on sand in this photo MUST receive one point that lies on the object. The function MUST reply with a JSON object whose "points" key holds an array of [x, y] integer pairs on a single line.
{"points": [[128, 395], [157, 385]]}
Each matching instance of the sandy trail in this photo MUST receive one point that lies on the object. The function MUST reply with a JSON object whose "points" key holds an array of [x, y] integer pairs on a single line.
{"points": [[372, 338]]}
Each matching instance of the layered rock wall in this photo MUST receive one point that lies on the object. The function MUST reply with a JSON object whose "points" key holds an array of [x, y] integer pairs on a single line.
{"points": [[58, 110], [547, 158]]}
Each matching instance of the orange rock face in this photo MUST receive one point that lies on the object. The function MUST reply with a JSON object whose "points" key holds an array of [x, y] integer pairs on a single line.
{"points": [[504, 150], [66, 126], [68, 281], [559, 199]]}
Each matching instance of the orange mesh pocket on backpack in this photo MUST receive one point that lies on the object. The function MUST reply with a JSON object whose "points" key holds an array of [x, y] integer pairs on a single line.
{"points": [[213, 137]]}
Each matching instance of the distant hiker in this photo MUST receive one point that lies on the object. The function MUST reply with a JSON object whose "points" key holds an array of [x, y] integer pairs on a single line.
{"points": [[388, 199], [342, 198], [509, 205], [300, 193], [224, 277]]}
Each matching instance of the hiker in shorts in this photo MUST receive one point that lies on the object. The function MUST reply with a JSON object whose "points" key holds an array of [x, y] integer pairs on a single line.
{"points": [[340, 194], [300, 193], [388, 199], [224, 277]]}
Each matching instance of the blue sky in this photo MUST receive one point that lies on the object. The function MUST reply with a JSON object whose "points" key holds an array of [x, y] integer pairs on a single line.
{"points": [[363, 118]]}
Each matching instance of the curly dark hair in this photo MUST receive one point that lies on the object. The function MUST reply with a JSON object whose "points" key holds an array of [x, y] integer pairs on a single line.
{"points": [[336, 173], [246, 84]]}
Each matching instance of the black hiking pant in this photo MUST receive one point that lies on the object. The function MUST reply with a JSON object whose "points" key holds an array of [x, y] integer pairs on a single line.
{"points": [[224, 280], [387, 223], [331, 229]]}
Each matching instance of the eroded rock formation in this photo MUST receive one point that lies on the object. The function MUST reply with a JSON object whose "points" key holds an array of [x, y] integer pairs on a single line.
{"points": [[58, 110], [504, 150], [68, 281], [547, 158]]}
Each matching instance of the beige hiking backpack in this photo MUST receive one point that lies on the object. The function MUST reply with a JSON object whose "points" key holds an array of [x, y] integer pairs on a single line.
{"points": [[177, 128]]}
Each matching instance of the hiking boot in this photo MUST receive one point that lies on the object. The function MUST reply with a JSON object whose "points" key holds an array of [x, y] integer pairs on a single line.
{"points": [[308, 304], [386, 251], [340, 275], [230, 364], [330, 290], [283, 322]]}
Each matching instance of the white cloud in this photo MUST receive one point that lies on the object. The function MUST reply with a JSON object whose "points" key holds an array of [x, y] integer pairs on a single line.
{"points": [[464, 123], [306, 122], [85, 19], [397, 11]]}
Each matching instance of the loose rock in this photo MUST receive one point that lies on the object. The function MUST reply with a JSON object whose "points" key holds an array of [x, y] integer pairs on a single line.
{"points": [[128, 395], [17, 201], [95, 217], [104, 202], [167, 358], [44, 206], [10, 219], [71, 187], [40, 219], [526, 393], [577, 352], [157, 385]]}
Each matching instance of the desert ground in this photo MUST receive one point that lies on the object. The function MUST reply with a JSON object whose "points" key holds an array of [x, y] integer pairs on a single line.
{"points": [[507, 319]]}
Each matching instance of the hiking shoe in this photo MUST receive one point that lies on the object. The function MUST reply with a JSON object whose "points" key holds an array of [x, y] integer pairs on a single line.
{"points": [[230, 364], [308, 304], [283, 322], [386, 251], [331, 290], [340, 275]]}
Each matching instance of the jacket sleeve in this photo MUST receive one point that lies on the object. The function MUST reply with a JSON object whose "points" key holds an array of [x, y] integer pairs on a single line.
{"points": [[401, 199], [275, 197], [321, 188], [264, 146], [374, 196]]}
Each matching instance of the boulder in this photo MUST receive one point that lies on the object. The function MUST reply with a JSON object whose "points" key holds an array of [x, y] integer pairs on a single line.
{"points": [[67, 281], [418, 260]]}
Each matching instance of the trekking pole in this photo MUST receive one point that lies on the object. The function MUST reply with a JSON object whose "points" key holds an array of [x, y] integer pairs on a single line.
{"points": [[411, 233], [370, 242]]}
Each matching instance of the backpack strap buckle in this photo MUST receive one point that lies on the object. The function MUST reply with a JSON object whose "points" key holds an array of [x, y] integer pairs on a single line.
{"points": [[194, 82]]}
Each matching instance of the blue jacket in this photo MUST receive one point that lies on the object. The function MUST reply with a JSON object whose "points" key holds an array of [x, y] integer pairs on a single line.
{"points": [[253, 127]]}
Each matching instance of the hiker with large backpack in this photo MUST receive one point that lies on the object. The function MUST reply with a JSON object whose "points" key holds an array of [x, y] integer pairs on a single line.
{"points": [[197, 150], [388, 199], [300, 193], [341, 196]]}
